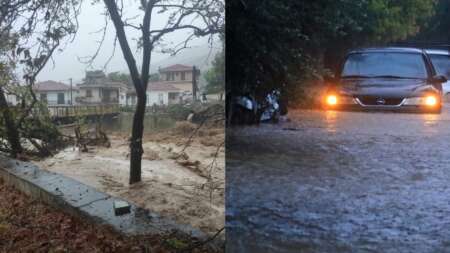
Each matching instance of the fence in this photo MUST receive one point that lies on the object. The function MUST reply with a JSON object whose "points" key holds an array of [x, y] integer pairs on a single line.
{"points": [[82, 110]]}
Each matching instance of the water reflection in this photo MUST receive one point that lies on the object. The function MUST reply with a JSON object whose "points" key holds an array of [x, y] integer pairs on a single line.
{"points": [[430, 122], [330, 121]]}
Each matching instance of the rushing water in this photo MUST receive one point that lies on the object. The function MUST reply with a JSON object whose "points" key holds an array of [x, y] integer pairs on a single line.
{"points": [[124, 122]]}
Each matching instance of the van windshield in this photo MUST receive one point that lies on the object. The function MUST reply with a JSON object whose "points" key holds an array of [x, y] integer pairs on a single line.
{"points": [[385, 64]]}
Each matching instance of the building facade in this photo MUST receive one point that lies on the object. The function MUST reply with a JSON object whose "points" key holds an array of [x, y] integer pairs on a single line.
{"points": [[179, 76], [55, 93], [160, 93], [97, 89], [175, 85]]}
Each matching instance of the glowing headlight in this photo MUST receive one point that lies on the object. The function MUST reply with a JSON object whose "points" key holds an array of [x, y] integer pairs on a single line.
{"points": [[431, 101], [428, 101], [332, 100]]}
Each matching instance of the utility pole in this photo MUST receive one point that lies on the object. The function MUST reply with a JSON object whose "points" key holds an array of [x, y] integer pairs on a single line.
{"points": [[71, 97], [194, 83]]}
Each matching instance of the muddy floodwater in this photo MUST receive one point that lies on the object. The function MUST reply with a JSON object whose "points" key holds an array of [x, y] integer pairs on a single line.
{"points": [[182, 177], [332, 181], [123, 123]]}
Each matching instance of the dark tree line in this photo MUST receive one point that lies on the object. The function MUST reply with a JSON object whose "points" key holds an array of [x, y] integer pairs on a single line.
{"points": [[277, 44]]}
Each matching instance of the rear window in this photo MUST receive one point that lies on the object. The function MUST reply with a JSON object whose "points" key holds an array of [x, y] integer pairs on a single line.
{"points": [[377, 64], [442, 64]]}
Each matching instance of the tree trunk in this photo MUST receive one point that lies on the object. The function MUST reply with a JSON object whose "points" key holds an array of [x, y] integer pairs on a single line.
{"points": [[11, 130], [140, 86], [136, 149]]}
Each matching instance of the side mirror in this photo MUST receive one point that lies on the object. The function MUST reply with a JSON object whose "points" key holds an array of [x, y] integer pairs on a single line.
{"points": [[439, 79]]}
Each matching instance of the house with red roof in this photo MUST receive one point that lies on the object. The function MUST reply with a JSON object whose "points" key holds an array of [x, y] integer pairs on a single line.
{"points": [[179, 76], [55, 93], [174, 86]]}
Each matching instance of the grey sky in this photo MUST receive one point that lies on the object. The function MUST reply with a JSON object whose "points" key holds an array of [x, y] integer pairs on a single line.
{"points": [[66, 63]]}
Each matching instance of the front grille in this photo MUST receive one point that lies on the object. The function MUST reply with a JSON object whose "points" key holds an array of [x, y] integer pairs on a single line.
{"points": [[380, 101]]}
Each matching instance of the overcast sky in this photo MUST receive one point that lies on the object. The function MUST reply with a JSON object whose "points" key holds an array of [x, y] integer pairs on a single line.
{"points": [[67, 63]]}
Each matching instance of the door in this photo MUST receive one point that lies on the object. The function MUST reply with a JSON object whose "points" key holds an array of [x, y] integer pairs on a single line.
{"points": [[61, 98]]}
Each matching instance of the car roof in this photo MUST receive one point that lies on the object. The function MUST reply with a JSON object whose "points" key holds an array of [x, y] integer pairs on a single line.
{"points": [[387, 49], [437, 51]]}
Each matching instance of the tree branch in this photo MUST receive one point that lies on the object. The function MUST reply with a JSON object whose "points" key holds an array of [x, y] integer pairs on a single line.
{"points": [[146, 43], [122, 37]]}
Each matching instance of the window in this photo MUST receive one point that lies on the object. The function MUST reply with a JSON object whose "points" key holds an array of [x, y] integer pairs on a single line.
{"points": [[43, 97], [170, 76], [441, 64], [173, 95], [60, 100], [183, 76], [161, 98], [88, 93]]}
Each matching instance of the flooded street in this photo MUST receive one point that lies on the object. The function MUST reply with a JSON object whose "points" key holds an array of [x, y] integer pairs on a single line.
{"points": [[340, 182]]}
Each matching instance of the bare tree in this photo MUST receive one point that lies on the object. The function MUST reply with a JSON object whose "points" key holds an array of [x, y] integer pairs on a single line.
{"points": [[197, 17], [30, 31]]}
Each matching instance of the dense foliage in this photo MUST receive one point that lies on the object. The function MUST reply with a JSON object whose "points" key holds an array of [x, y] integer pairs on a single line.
{"points": [[276, 44], [126, 78], [437, 28], [30, 32], [215, 77]]}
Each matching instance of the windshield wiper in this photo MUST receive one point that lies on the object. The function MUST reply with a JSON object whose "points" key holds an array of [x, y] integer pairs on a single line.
{"points": [[355, 76], [392, 76]]}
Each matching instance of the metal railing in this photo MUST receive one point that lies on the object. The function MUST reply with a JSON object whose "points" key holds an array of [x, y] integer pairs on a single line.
{"points": [[63, 111]]}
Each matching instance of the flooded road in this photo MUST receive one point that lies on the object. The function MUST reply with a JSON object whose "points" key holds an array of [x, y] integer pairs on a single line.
{"points": [[340, 181]]}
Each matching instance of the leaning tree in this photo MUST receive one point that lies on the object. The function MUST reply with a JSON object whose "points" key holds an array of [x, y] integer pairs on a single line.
{"points": [[197, 18], [30, 32]]}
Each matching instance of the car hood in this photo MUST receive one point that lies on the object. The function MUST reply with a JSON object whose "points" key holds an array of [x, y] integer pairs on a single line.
{"points": [[386, 87]]}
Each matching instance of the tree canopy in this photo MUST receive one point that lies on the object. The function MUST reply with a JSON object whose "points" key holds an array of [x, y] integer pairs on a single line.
{"points": [[215, 77]]}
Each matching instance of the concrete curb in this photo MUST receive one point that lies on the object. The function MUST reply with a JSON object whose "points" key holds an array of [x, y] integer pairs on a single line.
{"points": [[86, 202]]}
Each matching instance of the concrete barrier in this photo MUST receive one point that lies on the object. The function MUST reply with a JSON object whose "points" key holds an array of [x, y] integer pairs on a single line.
{"points": [[86, 202]]}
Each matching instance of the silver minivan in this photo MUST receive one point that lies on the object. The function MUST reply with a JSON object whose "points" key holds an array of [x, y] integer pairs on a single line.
{"points": [[440, 59]]}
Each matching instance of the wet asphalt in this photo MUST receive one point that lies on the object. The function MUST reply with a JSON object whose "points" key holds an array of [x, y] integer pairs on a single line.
{"points": [[333, 181]]}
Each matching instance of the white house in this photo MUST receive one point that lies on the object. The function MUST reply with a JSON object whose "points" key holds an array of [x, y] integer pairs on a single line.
{"points": [[55, 93], [97, 89], [160, 93]]}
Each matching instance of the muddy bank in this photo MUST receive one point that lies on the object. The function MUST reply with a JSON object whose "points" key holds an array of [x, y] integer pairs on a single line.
{"points": [[179, 181]]}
